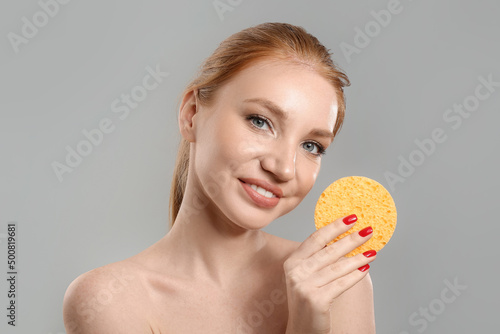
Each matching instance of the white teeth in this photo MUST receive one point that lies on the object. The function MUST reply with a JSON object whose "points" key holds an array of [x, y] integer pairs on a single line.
{"points": [[262, 191]]}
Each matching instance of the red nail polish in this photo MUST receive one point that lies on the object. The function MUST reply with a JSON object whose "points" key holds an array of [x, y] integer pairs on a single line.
{"points": [[350, 219], [370, 253], [364, 232], [364, 268]]}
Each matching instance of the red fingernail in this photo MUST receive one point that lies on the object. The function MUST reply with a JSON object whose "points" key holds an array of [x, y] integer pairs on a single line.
{"points": [[364, 232], [370, 253], [364, 268], [350, 219]]}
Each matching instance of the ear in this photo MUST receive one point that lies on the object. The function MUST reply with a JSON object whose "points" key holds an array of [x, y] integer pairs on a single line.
{"points": [[187, 112]]}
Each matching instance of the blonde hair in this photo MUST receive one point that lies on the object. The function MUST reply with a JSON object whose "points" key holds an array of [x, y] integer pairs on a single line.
{"points": [[280, 41]]}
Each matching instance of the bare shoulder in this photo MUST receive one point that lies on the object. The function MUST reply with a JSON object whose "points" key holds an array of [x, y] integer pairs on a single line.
{"points": [[353, 311], [92, 301], [283, 247]]}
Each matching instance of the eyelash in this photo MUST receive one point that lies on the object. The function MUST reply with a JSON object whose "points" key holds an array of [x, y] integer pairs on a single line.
{"points": [[321, 149]]}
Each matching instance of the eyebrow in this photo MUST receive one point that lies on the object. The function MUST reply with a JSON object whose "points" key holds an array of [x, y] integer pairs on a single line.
{"points": [[271, 106], [280, 113]]}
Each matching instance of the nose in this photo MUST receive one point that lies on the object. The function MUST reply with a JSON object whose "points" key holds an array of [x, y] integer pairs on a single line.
{"points": [[280, 160]]}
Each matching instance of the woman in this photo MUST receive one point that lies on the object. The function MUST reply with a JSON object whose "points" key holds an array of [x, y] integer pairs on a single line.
{"points": [[254, 124]]}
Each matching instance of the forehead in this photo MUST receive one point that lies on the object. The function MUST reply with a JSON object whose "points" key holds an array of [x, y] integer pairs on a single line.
{"points": [[297, 89]]}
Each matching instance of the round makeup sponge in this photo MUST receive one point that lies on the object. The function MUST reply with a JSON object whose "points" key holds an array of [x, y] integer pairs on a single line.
{"points": [[368, 199]]}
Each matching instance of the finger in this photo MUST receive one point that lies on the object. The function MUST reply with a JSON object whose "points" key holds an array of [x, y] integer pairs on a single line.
{"points": [[336, 288], [334, 252], [342, 268], [345, 245], [317, 240]]}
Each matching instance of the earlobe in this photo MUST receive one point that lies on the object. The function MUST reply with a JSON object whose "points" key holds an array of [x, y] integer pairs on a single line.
{"points": [[187, 111]]}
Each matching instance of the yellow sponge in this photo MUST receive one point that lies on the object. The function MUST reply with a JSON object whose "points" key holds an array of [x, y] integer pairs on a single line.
{"points": [[368, 199]]}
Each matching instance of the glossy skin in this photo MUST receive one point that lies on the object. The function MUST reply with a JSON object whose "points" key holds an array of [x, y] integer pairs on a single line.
{"points": [[215, 271]]}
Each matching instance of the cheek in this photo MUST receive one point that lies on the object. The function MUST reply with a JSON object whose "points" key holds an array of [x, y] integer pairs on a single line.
{"points": [[246, 144], [224, 143], [312, 178], [213, 138], [308, 172]]}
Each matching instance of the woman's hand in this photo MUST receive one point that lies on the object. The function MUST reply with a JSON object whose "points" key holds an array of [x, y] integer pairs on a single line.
{"points": [[316, 274]]}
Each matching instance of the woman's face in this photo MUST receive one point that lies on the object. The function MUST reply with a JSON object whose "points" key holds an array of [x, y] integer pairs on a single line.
{"points": [[267, 127]]}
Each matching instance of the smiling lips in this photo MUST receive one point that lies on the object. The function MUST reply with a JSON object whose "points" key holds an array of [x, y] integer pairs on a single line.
{"points": [[261, 192]]}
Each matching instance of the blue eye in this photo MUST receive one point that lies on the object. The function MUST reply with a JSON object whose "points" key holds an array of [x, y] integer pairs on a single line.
{"points": [[258, 121], [314, 148]]}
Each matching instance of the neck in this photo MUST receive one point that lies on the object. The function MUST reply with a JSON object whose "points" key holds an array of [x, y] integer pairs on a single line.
{"points": [[206, 245]]}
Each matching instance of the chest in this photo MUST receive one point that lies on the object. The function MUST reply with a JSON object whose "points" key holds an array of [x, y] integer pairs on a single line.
{"points": [[246, 311]]}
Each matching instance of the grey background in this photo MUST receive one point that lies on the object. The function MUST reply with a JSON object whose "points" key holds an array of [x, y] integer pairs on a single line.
{"points": [[115, 203]]}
